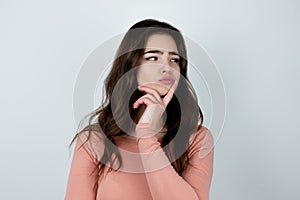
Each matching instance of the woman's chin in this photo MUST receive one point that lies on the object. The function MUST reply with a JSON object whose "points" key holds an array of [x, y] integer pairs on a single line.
{"points": [[161, 90]]}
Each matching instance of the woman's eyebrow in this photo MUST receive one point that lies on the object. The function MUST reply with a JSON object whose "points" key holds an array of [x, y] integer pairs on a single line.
{"points": [[160, 52]]}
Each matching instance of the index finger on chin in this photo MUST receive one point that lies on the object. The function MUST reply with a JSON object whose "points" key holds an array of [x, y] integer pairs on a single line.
{"points": [[170, 94]]}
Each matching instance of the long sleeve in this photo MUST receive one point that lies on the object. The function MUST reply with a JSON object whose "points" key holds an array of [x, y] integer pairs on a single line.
{"points": [[200, 170], [83, 177], [165, 183]]}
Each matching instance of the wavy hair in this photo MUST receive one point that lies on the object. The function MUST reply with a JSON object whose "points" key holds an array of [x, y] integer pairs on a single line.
{"points": [[183, 115]]}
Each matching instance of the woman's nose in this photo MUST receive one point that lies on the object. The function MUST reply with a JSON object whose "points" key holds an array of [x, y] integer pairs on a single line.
{"points": [[165, 65], [165, 61], [165, 68]]}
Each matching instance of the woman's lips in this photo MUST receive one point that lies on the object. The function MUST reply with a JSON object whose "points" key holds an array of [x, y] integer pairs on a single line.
{"points": [[166, 81]]}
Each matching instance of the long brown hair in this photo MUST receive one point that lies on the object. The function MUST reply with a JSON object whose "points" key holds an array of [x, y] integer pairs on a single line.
{"points": [[183, 115]]}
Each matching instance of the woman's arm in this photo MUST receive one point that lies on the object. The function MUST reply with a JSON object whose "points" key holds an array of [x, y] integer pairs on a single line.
{"points": [[194, 184], [83, 177], [163, 180], [200, 170]]}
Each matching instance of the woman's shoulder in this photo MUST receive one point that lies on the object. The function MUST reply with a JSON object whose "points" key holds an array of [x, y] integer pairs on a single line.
{"points": [[92, 138], [91, 132], [201, 142]]}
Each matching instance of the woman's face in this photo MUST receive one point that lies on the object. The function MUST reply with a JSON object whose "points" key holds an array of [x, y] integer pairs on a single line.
{"points": [[159, 66]]}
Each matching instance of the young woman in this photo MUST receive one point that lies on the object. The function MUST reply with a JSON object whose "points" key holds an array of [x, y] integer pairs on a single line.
{"points": [[148, 141]]}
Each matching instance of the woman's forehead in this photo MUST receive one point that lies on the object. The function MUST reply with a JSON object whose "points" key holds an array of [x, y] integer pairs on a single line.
{"points": [[162, 42]]}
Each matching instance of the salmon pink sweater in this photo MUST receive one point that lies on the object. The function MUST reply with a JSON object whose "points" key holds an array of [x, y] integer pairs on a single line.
{"points": [[146, 177]]}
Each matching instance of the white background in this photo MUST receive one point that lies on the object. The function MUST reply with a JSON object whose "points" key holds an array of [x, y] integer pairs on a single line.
{"points": [[255, 45]]}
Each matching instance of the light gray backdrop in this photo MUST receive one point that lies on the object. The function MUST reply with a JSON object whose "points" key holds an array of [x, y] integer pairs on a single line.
{"points": [[255, 45]]}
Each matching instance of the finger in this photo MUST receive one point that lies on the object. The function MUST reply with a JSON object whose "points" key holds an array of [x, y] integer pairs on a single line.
{"points": [[170, 94], [151, 97], [146, 99], [152, 92]]}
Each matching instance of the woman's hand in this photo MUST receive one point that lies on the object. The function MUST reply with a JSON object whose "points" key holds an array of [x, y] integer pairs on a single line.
{"points": [[151, 119]]}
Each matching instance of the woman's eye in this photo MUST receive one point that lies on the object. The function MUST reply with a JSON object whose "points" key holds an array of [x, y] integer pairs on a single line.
{"points": [[176, 60], [151, 58]]}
